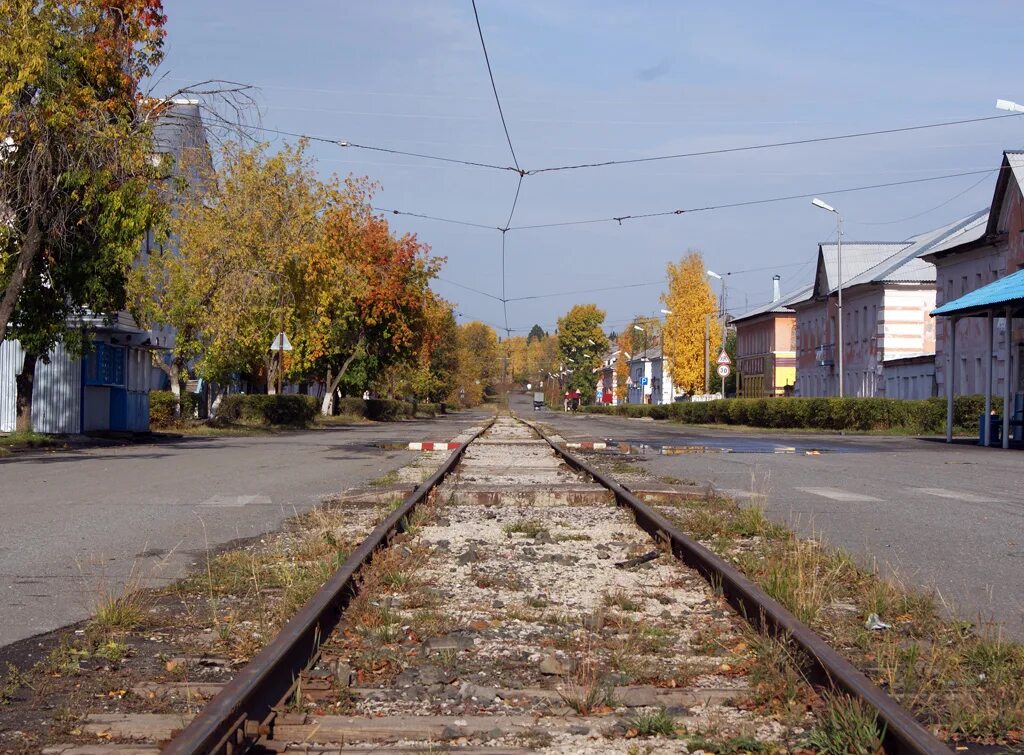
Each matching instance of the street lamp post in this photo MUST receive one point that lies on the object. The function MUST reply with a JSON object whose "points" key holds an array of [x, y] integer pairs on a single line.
{"points": [[1013, 107], [707, 335], [839, 274], [643, 356]]}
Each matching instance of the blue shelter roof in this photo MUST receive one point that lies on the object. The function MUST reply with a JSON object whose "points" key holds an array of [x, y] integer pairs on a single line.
{"points": [[1006, 291]]}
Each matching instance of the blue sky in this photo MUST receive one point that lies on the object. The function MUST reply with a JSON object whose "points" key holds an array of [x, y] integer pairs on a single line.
{"points": [[585, 81]]}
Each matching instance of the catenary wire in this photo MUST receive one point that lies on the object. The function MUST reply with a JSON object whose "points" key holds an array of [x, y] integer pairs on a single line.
{"points": [[772, 145], [745, 203], [469, 288], [931, 209], [435, 217], [494, 87], [386, 150]]}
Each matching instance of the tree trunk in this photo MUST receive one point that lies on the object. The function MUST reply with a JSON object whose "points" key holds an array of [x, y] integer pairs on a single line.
{"points": [[327, 405], [272, 374], [24, 382], [332, 386], [175, 380], [26, 256]]}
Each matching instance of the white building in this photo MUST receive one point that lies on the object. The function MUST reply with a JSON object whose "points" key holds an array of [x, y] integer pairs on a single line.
{"points": [[650, 380]]}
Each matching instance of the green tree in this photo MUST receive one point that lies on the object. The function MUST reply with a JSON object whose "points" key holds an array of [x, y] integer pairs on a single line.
{"points": [[241, 270], [75, 167], [536, 333], [581, 344]]}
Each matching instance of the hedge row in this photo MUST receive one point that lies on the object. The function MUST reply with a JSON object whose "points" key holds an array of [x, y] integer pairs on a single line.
{"points": [[161, 407], [261, 409], [921, 416], [386, 409], [290, 409]]}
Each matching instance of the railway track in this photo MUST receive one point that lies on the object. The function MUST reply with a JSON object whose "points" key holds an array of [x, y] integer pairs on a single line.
{"points": [[519, 600]]}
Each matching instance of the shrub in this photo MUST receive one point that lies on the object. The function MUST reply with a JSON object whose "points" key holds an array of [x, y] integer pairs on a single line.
{"points": [[259, 409], [918, 416], [388, 409], [161, 407], [351, 405]]}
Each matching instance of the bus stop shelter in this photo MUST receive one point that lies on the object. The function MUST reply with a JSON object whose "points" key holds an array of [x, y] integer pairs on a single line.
{"points": [[1000, 298]]}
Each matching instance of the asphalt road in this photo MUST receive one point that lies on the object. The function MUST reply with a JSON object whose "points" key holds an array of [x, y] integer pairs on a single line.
{"points": [[73, 524], [949, 517]]}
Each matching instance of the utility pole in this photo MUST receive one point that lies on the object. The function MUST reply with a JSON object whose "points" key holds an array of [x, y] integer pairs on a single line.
{"points": [[723, 321], [707, 353]]}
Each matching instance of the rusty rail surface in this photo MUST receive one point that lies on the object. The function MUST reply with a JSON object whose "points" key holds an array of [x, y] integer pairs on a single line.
{"points": [[903, 735], [242, 712]]}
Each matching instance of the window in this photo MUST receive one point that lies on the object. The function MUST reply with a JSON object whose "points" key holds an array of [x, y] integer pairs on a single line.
{"points": [[963, 285], [105, 365], [977, 281]]}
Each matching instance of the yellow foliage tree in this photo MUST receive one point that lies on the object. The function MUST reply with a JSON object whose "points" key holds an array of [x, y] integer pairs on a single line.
{"points": [[691, 302], [478, 363], [625, 344]]}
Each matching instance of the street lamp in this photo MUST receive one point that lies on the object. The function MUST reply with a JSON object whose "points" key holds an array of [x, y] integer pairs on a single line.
{"points": [[839, 274], [1013, 107]]}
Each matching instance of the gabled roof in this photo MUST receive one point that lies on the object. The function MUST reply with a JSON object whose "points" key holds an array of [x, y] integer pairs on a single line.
{"points": [[970, 233], [776, 307], [1011, 169], [907, 266], [1006, 291], [858, 257]]}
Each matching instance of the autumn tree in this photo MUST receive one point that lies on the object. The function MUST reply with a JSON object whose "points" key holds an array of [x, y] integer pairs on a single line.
{"points": [[373, 300], [479, 367], [691, 303], [625, 353], [240, 272], [75, 168], [581, 344]]}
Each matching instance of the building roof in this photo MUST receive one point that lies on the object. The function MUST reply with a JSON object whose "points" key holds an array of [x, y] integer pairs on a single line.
{"points": [[907, 265], [969, 233], [891, 262], [858, 257], [650, 354], [780, 306], [1004, 292], [1016, 162], [987, 231]]}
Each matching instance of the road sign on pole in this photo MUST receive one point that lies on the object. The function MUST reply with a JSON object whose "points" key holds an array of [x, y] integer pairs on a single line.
{"points": [[723, 357], [723, 370], [643, 381]]}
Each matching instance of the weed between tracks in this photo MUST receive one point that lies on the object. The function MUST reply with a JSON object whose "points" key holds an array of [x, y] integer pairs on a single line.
{"points": [[961, 677], [197, 631]]}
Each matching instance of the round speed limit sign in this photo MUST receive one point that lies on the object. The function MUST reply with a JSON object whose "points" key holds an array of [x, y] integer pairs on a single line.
{"points": [[723, 370]]}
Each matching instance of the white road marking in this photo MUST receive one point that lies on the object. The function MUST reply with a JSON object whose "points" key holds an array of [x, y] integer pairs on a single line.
{"points": [[837, 494], [958, 495], [235, 500]]}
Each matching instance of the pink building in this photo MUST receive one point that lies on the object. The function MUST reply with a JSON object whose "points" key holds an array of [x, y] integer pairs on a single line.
{"points": [[888, 293], [990, 248]]}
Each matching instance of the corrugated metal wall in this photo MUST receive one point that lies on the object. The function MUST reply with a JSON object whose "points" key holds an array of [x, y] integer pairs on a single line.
{"points": [[56, 396], [10, 366]]}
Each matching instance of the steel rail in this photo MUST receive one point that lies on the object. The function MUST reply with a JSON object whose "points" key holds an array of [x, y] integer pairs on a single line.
{"points": [[903, 735], [244, 710]]}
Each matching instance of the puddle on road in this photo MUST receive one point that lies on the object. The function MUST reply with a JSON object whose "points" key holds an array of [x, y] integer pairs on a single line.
{"points": [[742, 447]]}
